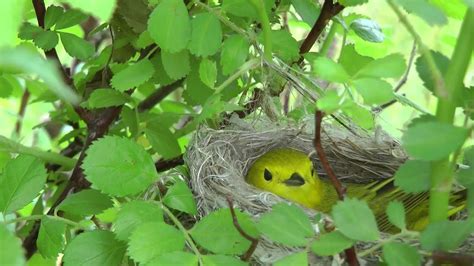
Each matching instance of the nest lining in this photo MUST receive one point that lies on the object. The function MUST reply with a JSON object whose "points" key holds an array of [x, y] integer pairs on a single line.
{"points": [[218, 161]]}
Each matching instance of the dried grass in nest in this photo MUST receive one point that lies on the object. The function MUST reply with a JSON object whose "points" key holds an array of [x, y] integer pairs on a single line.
{"points": [[218, 161]]}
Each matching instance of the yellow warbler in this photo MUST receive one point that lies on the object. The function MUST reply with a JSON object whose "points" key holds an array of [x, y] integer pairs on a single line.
{"points": [[290, 174]]}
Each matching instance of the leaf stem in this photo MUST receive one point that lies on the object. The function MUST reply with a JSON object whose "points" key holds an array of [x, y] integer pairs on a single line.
{"points": [[387, 240], [266, 27], [40, 216], [244, 68]]}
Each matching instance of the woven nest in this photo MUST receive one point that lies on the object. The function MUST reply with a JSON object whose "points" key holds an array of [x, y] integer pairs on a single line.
{"points": [[218, 161]]}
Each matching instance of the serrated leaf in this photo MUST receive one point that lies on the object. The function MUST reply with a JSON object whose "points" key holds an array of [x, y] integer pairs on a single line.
{"points": [[420, 142], [133, 75], [359, 114], [70, 18], [196, 92], [400, 254], [160, 75], [21, 181], [101, 98], [284, 45], [206, 36], [46, 40], [53, 13], [29, 31], [11, 252], [396, 214], [307, 9], [330, 102], [446, 235], [413, 176], [133, 214], [218, 260], [208, 72], [352, 61], [240, 8], [234, 53], [102, 9], [174, 258], [86, 202], [94, 248], [126, 171], [390, 66], [424, 71], [329, 70], [374, 91], [226, 240], [331, 244], [352, 2], [30, 62], [180, 197], [176, 65], [425, 10], [367, 29], [169, 25], [162, 140], [77, 47], [286, 224], [51, 238], [355, 220], [151, 240]]}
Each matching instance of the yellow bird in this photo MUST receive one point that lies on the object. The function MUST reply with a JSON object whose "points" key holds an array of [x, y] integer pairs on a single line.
{"points": [[290, 174]]}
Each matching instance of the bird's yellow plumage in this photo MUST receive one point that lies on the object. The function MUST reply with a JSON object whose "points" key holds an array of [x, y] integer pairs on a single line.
{"points": [[290, 174]]}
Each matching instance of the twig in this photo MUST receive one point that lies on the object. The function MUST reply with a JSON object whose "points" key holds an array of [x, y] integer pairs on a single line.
{"points": [[158, 95], [163, 165], [21, 112], [254, 241], [351, 256]]}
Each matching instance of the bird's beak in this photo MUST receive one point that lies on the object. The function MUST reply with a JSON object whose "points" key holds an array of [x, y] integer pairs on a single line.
{"points": [[295, 180]]}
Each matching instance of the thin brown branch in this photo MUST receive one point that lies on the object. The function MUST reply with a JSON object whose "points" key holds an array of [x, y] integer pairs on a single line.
{"points": [[351, 255], [21, 111], [158, 95], [448, 258], [163, 165], [254, 241]]}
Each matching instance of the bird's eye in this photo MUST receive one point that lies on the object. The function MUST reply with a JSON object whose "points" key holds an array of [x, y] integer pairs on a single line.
{"points": [[267, 175]]}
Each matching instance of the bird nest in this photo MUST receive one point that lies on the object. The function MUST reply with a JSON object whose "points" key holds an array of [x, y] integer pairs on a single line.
{"points": [[218, 161]]}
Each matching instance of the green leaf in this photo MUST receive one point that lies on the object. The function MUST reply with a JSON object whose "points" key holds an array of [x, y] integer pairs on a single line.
{"points": [[162, 140], [331, 244], [53, 13], [286, 224], [6, 86], [94, 248], [284, 45], [160, 75], [206, 37], [414, 176], [425, 10], [360, 115], [169, 25], [329, 70], [176, 65], [77, 47], [133, 214], [391, 66], [70, 18], [208, 72], [396, 214], [355, 220], [180, 197], [46, 40], [29, 31], [218, 260], [133, 75], [11, 252], [307, 9], [126, 171], [101, 98], [367, 29], [234, 53], [174, 258], [424, 71], [240, 8], [454, 8], [352, 2], [51, 238], [22, 179], [226, 240], [353, 61], [102, 9], [420, 142], [400, 254], [296, 259], [196, 92], [27, 61], [151, 240], [465, 176], [86, 202], [11, 16], [330, 102], [446, 235], [374, 91]]}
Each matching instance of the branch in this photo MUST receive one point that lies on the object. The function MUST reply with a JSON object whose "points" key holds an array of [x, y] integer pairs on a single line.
{"points": [[351, 256], [157, 96], [163, 165], [21, 112], [253, 240]]}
